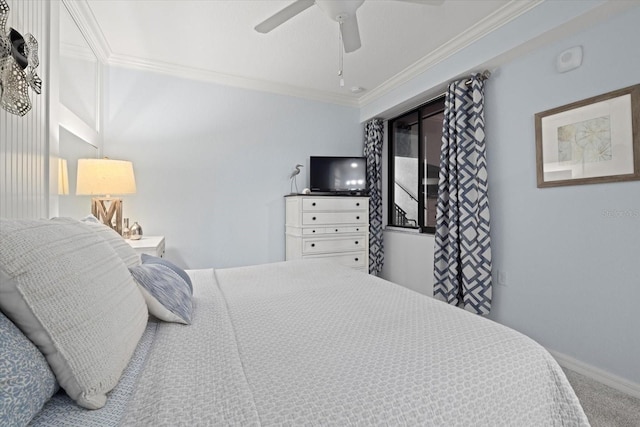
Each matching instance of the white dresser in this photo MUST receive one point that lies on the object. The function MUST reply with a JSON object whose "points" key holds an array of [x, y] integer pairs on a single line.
{"points": [[330, 227]]}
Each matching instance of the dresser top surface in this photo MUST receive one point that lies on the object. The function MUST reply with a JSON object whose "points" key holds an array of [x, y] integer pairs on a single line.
{"points": [[326, 195]]}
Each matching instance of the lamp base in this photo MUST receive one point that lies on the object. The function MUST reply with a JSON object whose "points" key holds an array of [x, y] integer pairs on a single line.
{"points": [[108, 210]]}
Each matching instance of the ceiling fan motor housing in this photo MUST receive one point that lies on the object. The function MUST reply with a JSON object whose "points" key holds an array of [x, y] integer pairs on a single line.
{"points": [[339, 10]]}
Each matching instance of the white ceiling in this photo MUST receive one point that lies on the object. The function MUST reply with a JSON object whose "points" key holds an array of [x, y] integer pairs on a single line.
{"points": [[215, 40]]}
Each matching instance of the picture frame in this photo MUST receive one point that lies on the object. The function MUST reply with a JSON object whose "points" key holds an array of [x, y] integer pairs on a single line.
{"points": [[591, 141]]}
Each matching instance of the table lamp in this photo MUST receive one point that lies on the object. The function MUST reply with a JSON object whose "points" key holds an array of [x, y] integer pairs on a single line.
{"points": [[106, 177]]}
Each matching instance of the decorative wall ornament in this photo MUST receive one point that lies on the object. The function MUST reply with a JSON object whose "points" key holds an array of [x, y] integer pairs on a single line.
{"points": [[18, 63], [590, 141]]}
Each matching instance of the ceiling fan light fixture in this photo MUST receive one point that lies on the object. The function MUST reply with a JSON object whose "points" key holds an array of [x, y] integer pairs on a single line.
{"points": [[343, 12], [339, 11]]}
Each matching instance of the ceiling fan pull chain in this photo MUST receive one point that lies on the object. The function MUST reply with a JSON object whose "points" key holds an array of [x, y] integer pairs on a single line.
{"points": [[340, 56]]}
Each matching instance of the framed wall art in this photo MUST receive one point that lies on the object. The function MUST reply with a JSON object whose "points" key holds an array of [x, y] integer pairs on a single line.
{"points": [[590, 141]]}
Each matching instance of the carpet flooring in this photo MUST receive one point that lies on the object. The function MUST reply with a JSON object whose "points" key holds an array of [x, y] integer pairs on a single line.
{"points": [[605, 406]]}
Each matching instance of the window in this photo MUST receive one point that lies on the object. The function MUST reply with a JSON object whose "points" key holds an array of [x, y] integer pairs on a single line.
{"points": [[414, 165]]}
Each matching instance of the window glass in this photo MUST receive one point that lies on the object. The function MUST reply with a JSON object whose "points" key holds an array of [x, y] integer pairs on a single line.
{"points": [[405, 167], [414, 165], [431, 140]]}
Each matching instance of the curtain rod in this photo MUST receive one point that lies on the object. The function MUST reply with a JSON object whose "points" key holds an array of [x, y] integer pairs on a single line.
{"points": [[483, 76]]}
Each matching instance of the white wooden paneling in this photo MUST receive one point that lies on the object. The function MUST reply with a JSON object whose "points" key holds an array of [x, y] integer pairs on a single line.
{"points": [[24, 141]]}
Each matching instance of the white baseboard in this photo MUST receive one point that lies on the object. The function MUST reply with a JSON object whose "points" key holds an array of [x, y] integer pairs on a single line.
{"points": [[597, 374]]}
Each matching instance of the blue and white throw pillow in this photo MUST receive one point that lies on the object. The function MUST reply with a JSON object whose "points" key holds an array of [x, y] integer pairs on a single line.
{"points": [[167, 295], [26, 380], [150, 259]]}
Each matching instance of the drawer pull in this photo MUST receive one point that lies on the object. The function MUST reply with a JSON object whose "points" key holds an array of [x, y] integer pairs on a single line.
{"points": [[313, 231], [356, 217], [357, 229], [356, 259], [313, 204], [356, 242], [314, 218], [313, 245], [336, 230], [358, 204]]}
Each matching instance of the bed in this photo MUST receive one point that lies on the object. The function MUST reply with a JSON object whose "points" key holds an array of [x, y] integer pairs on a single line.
{"points": [[313, 343]]}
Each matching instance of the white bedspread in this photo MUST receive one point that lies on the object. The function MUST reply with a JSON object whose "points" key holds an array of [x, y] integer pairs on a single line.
{"points": [[310, 343]]}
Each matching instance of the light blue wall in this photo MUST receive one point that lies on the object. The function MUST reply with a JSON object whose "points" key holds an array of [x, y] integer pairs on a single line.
{"points": [[572, 254], [573, 273], [212, 162]]}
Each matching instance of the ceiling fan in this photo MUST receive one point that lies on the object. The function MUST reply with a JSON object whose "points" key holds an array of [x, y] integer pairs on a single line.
{"points": [[343, 12]]}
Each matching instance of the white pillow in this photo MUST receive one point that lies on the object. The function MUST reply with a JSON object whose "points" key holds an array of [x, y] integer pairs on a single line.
{"points": [[70, 293], [129, 255]]}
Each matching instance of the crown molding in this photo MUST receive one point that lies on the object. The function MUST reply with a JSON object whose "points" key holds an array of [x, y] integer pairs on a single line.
{"points": [[85, 20], [502, 16], [84, 53], [83, 16], [181, 71]]}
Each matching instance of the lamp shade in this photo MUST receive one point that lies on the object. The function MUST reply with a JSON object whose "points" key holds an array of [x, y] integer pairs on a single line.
{"points": [[105, 177], [63, 177]]}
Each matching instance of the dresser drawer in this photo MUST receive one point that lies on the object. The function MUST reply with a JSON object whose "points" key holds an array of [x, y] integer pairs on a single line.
{"points": [[354, 260], [347, 229], [311, 246], [314, 231], [336, 218], [334, 204]]}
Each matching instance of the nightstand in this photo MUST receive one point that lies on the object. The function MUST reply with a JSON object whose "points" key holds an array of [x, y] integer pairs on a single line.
{"points": [[151, 245]]}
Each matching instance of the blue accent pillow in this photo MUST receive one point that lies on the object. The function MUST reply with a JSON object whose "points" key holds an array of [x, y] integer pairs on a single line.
{"points": [[167, 295], [26, 380], [150, 259]]}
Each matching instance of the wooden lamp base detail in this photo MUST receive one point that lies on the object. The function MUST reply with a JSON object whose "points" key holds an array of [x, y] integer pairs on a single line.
{"points": [[109, 211]]}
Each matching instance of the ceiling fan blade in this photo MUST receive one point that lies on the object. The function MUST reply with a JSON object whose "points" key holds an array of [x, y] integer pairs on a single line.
{"points": [[284, 15], [350, 34], [424, 2]]}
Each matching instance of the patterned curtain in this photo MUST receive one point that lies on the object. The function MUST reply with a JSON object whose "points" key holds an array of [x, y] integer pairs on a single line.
{"points": [[373, 133], [462, 266]]}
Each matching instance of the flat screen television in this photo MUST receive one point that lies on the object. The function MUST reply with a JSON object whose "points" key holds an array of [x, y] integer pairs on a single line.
{"points": [[345, 175]]}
